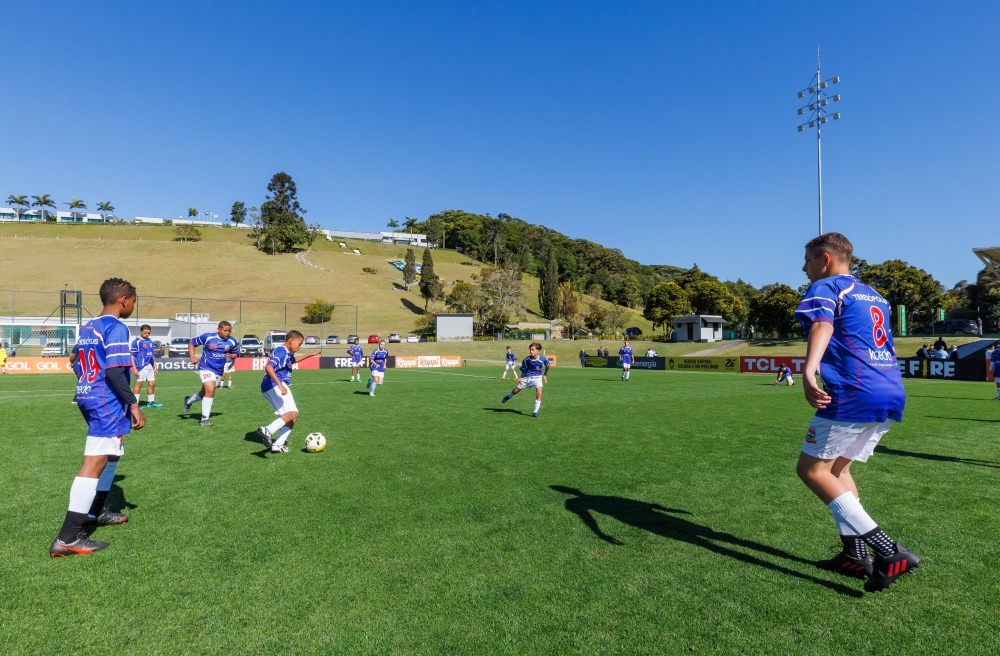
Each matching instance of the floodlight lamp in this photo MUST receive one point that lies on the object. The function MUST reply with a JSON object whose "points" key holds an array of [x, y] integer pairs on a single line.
{"points": [[812, 107], [800, 111], [836, 80], [812, 89], [836, 116], [822, 85], [812, 124], [836, 97], [799, 128], [800, 94], [823, 120], [824, 102]]}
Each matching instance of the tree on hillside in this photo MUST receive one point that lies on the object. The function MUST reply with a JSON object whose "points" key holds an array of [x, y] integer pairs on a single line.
{"points": [[105, 207], [192, 212], [17, 202], [618, 316], [709, 296], [392, 224], [43, 201], [410, 268], [569, 307], [500, 297], [746, 293], [319, 311], [187, 233], [430, 283], [282, 225], [408, 224], [666, 301], [548, 286], [902, 284], [773, 311], [75, 204], [238, 214], [463, 298], [596, 318]]}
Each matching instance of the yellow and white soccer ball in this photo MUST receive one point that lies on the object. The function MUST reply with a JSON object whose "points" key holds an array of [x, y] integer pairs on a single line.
{"points": [[315, 442]]}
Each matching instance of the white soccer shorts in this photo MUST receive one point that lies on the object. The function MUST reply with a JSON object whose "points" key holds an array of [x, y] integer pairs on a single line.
{"points": [[104, 446], [510, 366], [533, 381], [281, 403], [626, 366], [147, 374], [829, 440], [209, 376], [230, 367]]}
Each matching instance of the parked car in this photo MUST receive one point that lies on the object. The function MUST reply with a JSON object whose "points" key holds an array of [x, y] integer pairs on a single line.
{"points": [[394, 338], [351, 338], [250, 335], [373, 339], [956, 327], [178, 347], [251, 347], [332, 339], [633, 331], [273, 339], [412, 339], [312, 340]]}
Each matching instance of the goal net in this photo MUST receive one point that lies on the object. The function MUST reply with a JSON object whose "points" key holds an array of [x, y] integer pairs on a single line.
{"points": [[38, 339]]}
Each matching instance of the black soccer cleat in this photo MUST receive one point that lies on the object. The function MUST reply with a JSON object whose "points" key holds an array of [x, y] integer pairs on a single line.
{"points": [[856, 568], [82, 545], [187, 406], [505, 399], [111, 518], [888, 570], [265, 436]]}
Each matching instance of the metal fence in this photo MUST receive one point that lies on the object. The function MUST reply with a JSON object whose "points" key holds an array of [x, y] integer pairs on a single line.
{"points": [[247, 316]]}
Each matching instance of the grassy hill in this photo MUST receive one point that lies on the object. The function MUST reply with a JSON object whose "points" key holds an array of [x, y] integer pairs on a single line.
{"points": [[248, 286]]}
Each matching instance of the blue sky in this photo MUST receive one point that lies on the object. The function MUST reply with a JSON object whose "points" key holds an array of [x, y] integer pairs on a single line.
{"points": [[664, 129]]}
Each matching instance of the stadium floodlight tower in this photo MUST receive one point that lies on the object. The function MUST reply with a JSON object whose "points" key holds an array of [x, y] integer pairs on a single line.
{"points": [[816, 110]]}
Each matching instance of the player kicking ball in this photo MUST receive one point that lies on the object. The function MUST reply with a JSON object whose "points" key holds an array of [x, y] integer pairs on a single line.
{"points": [[277, 389], [862, 397], [534, 373]]}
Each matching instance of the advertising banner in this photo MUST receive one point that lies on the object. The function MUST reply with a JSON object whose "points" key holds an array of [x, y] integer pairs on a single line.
{"points": [[720, 365], [614, 362], [38, 366], [344, 362], [971, 369], [406, 362], [753, 364], [451, 361]]}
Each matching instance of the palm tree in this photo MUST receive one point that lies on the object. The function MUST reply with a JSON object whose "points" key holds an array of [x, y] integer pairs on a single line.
{"points": [[17, 202], [409, 224], [43, 201], [192, 212], [392, 225], [76, 204], [105, 206]]}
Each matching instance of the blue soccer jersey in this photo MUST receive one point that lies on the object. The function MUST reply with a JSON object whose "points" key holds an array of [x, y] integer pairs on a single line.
{"points": [[103, 344], [626, 355], [511, 357], [142, 352], [995, 359], [377, 360], [356, 353], [282, 360], [534, 368], [214, 351], [859, 368]]}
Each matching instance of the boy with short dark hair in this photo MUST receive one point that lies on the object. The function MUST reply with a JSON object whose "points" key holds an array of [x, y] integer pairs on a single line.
{"points": [[534, 373], [509, 365], [376, 363], [357, 355], [217, 349], [143, 350], [849, 333], [626, 356], [111, 411], [276, 388]]}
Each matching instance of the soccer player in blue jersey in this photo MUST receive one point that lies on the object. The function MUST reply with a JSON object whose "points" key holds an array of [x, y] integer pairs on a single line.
{"points": [[143, 366], [995, 368], [534, 373], [784, 375], [277, 389], [510, 364], [357, 355], [850, 346], [376, 362], [626, 356], [111, 411], [217, 348]]}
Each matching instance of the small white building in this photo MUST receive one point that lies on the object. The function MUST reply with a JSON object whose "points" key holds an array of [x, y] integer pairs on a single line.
{"points": [[697, 328], [454, 327]]}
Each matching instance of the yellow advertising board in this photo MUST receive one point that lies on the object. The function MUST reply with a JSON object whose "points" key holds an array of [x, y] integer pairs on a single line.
{"points": [[725, 365]]}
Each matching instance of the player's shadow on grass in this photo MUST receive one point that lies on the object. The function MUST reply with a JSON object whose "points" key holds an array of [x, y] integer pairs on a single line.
{"points": [[664, 521], [196, 416], [511, 410], [934, 456], [252, 436], [116, 500]]}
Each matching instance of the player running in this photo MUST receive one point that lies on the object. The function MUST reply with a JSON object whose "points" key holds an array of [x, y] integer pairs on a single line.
{"points": [[376, 362], [510, 364], [357, 355], [534, 373], [626, 356], [217, 349]]}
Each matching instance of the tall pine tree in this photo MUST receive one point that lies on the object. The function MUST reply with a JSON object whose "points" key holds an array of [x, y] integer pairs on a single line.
{"points": [[430, 284], [548, 287], [410, 268]]}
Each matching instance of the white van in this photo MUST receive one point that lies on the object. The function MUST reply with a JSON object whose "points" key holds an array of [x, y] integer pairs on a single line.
{"points": [[273, 339]]}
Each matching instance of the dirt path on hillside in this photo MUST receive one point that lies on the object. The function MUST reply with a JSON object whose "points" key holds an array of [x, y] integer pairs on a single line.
{"points": [[718, 348]]}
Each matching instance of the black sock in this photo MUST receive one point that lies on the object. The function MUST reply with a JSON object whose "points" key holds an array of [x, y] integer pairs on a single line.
{"points": [[854, 546], [98, 505], [880, 542], [72, 526]]}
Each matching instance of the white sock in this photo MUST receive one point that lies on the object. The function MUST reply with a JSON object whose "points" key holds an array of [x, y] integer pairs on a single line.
{"points": [[206, 407], [538, 404], [850, 516], [191, 400], [81, 494], [282, 437], [275, 426], [149, 398]]}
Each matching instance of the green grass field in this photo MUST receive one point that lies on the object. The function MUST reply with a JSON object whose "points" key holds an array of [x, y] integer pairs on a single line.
{"points": [[658, 516]]}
